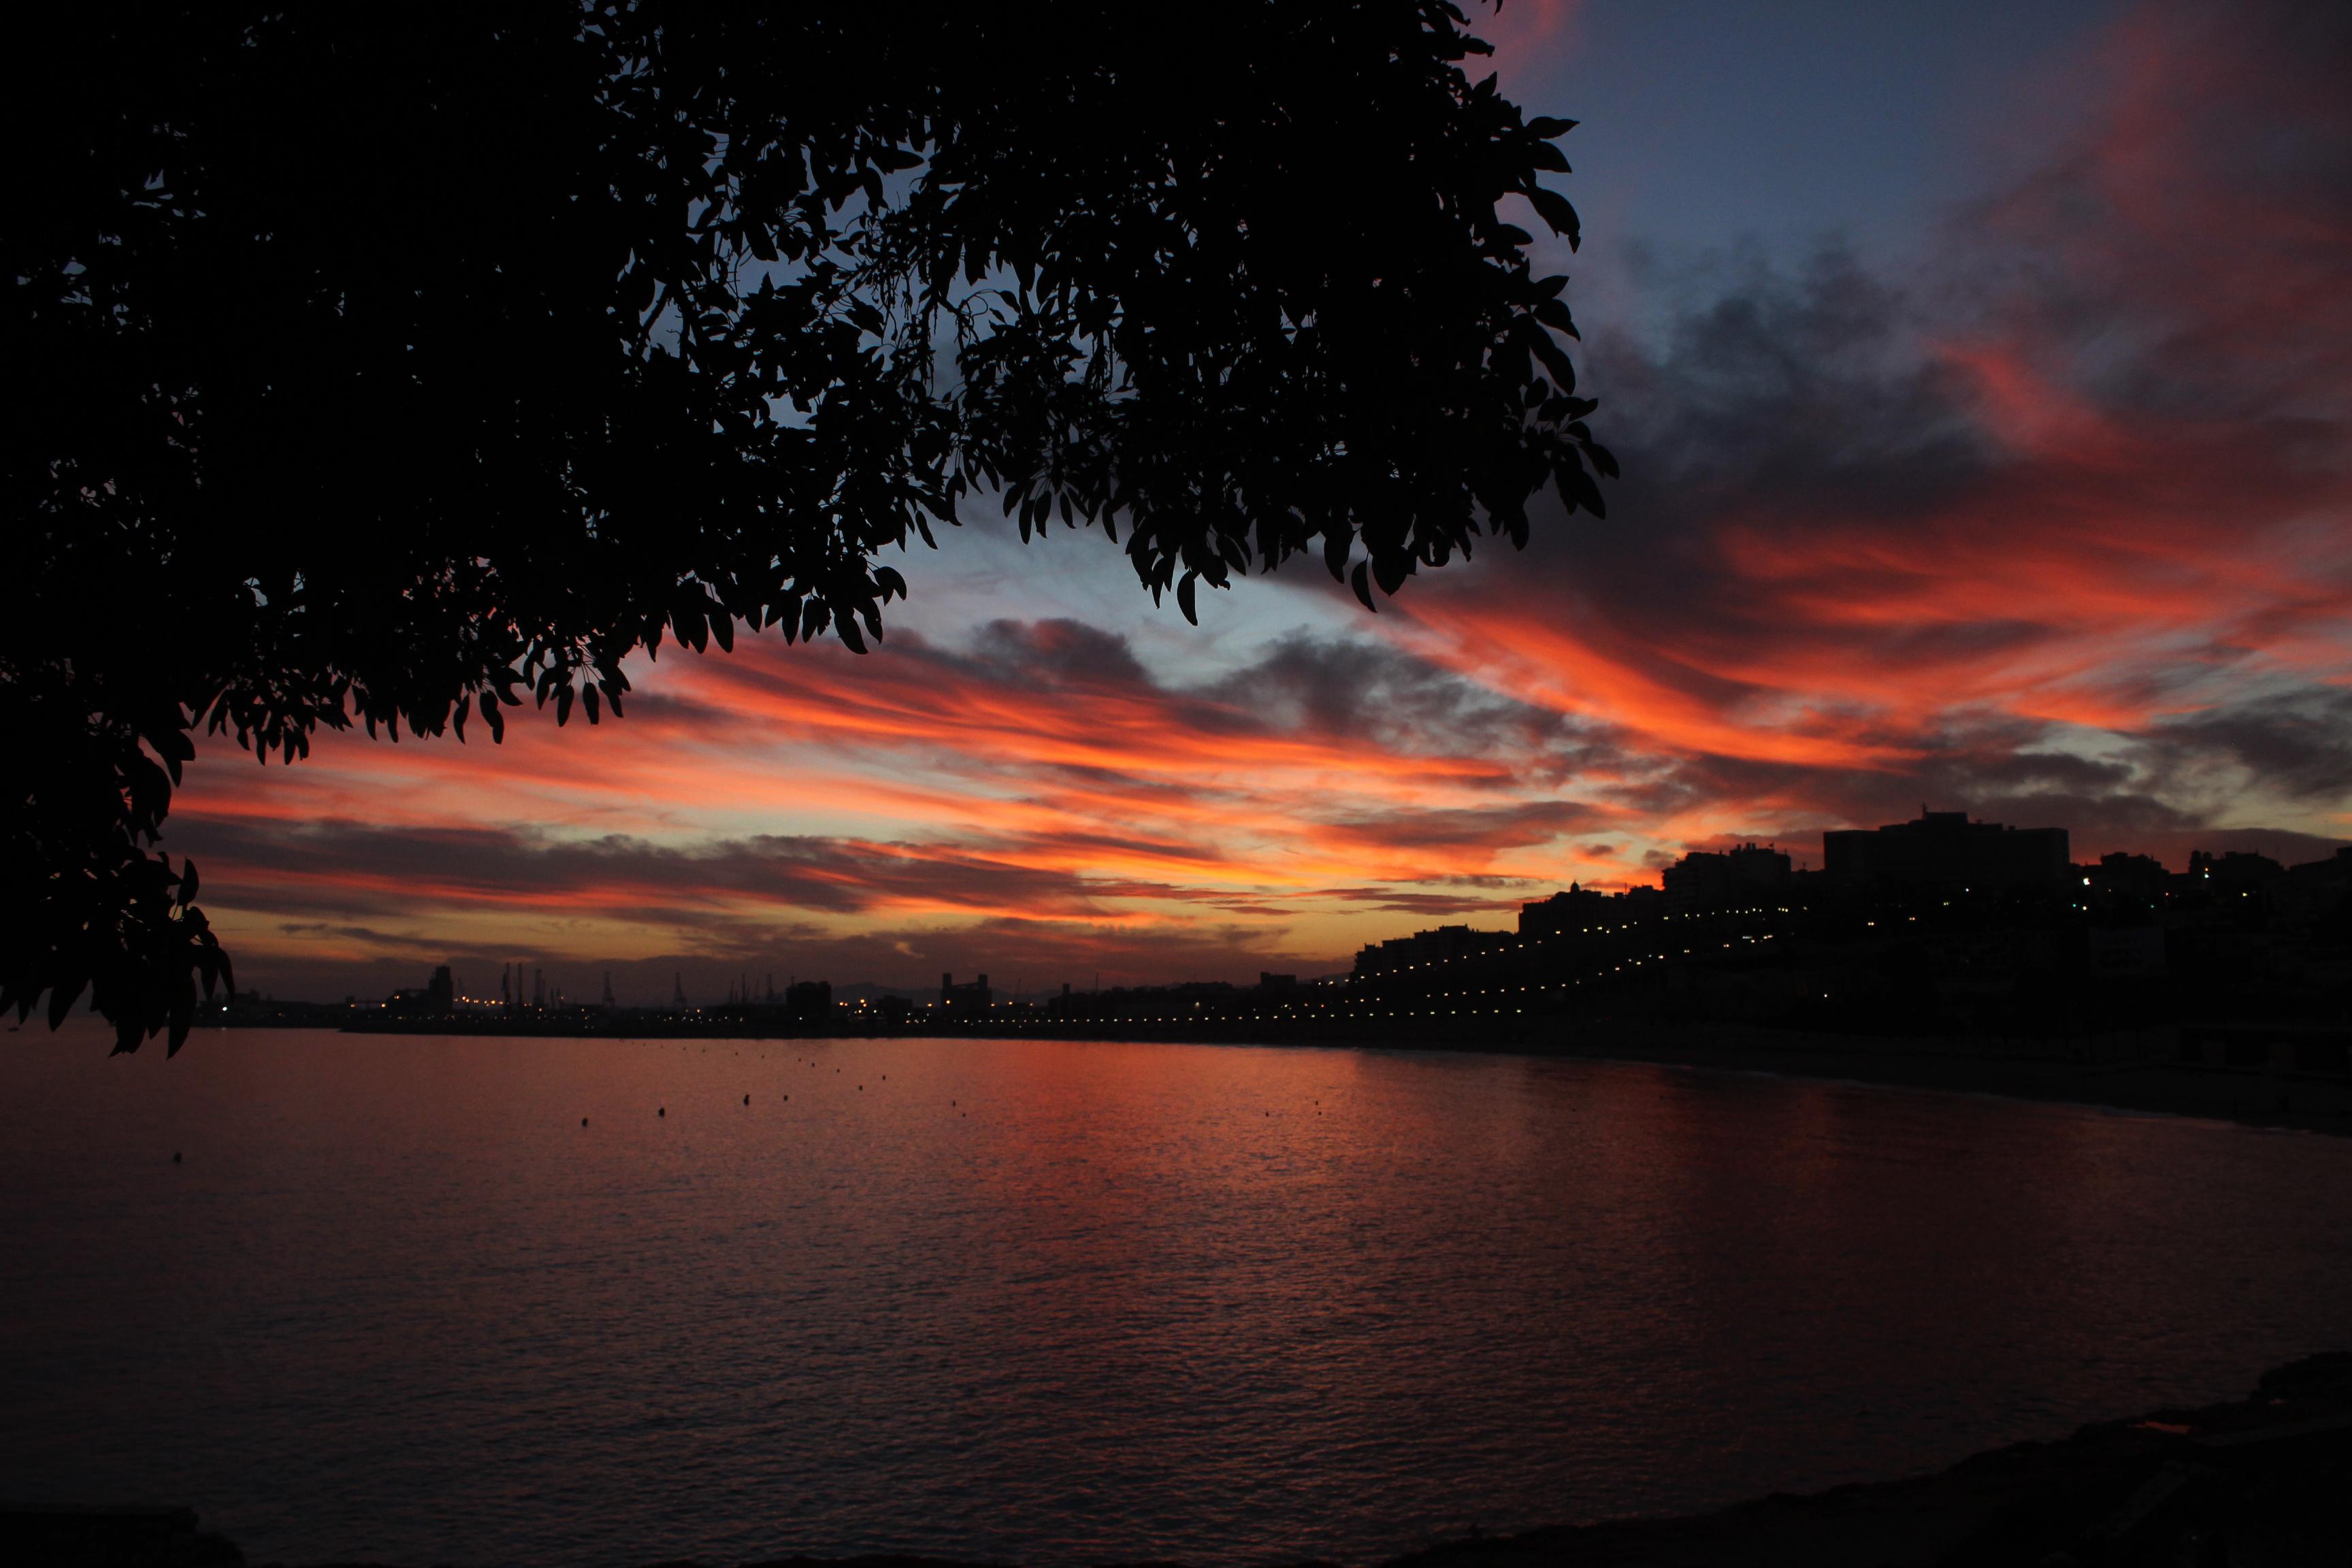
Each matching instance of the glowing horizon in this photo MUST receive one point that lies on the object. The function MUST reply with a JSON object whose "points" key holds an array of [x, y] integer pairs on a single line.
{"points": [[2054, 525]]}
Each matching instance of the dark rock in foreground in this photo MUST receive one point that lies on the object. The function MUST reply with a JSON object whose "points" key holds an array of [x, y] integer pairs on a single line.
{"points": [[111, 1538]]}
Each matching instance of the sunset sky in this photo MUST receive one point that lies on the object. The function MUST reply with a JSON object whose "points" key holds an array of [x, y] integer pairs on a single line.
{"points": [[1982, 378]]}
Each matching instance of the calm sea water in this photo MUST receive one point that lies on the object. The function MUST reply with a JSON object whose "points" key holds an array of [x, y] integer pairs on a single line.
{"points": [[1069, 1303]]}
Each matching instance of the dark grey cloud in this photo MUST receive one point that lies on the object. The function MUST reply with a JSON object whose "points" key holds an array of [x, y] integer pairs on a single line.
{"points": [[2297, 743], [1382, 697], [2040, 473], [1430, 905]]}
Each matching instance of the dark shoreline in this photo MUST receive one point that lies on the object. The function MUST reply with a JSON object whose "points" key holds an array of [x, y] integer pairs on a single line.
{"points": [[2141, 1083], [2257, 1481]]}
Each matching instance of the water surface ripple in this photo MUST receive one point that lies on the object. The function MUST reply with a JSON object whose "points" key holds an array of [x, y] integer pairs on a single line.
{"points": [[1064, 1303]]}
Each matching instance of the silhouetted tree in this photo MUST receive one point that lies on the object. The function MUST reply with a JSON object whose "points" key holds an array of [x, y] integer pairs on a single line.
{"points": [[397, 363]]}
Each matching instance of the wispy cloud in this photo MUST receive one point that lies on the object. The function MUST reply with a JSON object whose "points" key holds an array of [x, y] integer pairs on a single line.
{"points": [[2058, 529], [2063, 526]]}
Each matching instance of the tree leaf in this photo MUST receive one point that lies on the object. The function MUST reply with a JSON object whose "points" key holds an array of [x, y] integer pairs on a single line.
{"points": [[724, 248], [1555, 210]]}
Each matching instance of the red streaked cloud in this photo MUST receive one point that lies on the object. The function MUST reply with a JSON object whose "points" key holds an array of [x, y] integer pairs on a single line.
{"points": [[2020, 534], [2059, 531], [1036, 778]]}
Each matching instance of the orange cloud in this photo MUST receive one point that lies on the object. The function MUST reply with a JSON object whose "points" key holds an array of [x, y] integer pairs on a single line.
{"points": [[2078, 548]]}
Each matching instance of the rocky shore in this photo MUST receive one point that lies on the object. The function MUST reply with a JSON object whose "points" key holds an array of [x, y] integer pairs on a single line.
{"points": [[2260, 1483]]}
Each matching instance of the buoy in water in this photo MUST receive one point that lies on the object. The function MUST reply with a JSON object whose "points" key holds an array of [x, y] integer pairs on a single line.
{"points": [[663, 1111], [175, 1156], [583, 1121], [747, 1099]]}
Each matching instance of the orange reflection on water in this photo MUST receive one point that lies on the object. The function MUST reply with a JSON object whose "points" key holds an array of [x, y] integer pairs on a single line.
{"points": [[1057, 1302]]}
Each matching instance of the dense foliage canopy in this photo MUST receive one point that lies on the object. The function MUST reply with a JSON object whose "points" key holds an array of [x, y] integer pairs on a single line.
{"points": [[397, 364]]}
